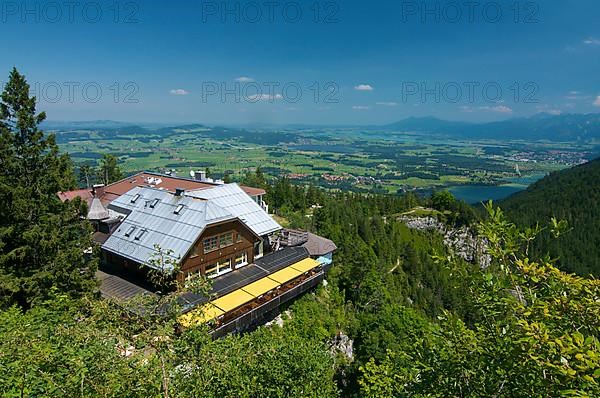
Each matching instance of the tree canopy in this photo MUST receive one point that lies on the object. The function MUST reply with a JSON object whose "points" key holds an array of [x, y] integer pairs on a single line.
{"points": [[42, 240]]}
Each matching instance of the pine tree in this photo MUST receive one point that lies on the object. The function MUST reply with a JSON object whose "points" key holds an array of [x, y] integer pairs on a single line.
{"points": [[42, 240], [109, 170]]}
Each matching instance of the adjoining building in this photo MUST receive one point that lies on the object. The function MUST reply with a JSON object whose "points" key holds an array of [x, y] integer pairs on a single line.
{"points": [[221, 231], [165, 182]]}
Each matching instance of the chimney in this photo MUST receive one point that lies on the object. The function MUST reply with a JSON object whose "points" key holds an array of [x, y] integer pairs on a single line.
{"points": [[98, 190], [200, 175], [179, 191]]}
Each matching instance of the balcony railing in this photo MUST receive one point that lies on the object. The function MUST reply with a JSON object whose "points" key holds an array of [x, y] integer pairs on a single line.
{"points": [[245, 318], [291, 237]]}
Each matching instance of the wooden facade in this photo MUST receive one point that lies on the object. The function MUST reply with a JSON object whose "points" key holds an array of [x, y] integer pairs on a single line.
{"points": [[235, 251], [234, 244]]}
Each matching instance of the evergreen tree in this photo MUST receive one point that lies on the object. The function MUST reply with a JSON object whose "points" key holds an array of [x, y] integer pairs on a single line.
{"points": [[42, 240], [109, 170], [85, 174]]}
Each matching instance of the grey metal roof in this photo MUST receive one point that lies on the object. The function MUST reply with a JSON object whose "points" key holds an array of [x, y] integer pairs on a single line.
{"points": [[115, 287], [319, 246], [233, 199], [151, 220]]}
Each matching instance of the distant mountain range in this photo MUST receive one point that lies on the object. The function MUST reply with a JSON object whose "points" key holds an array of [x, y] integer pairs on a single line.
{"points": [[567, 127], [543, 126]]}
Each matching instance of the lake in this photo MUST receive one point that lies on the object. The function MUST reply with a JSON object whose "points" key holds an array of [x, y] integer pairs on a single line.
{"points": [[476, 194]]}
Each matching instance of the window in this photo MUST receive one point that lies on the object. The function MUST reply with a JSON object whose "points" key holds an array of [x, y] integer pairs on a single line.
{"points": [[211, 270], [226, 239], [241, 260], [154, 203], [215, 242], [178, 209], [240, 237], [211, 244], [129, 231], [218, 268], [258, 249], [135, 198], [140, 234], [224, 266]]}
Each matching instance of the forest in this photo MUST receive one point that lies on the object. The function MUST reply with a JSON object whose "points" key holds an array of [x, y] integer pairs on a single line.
{"points": [[572, 195], [423, 322]]}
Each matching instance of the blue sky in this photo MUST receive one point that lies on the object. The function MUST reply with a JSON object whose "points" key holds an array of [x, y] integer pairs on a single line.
{"points": [[305, 61]]}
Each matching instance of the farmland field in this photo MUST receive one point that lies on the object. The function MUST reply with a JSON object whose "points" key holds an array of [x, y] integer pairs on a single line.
{"points": [[364, 160]]}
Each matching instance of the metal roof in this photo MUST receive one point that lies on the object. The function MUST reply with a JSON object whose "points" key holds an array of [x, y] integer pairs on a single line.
{"points": [[233, 199], [157, 217]]}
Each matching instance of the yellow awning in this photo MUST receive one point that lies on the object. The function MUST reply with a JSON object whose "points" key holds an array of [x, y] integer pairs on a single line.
{"points": [[233, 300], [285, 275], [260, 287], [305, 265], [203, 314], [244, 295]]}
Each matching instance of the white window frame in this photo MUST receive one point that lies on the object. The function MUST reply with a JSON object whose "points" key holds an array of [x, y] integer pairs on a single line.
{"points": [[244, 257], [220, 270]]}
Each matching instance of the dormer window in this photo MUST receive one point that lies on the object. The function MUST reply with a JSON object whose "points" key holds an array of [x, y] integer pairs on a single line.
{"points": [[178, 209], [130, 231], [154, 203], [135, 198], [140, 234]]}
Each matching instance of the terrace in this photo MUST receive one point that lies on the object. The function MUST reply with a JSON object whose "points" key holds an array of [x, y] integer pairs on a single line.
{"points": [[240, 299]]}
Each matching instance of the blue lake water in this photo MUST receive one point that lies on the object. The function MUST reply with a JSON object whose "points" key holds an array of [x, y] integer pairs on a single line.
{"points": [[482, 193]]}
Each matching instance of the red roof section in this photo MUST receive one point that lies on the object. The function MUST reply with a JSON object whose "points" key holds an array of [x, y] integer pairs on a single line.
{"points": [[85, 194], [146, 179]]}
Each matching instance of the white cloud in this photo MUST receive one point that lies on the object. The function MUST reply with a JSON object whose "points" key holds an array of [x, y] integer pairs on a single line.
{"points": [[244, 79], [361, 107], [501, 109], [264, 97], [179, 91], [364, 87], [592, 41], [547, 109], [597, 102], [387, 103], [576, 95], [496, 109]]}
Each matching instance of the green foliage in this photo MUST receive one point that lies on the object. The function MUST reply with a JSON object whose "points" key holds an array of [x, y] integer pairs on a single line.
{"points": [[534, 332], [266, 363], [109, 171], [571, 195], [452, 211], [42, 240], [443, 200], [67, 348], [256, 179]]}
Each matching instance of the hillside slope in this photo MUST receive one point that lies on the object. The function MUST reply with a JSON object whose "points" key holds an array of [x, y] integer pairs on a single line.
{"points": [[573, 195]]}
